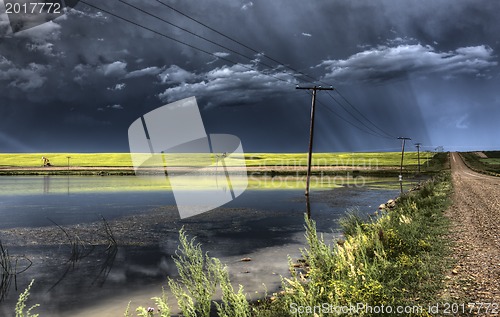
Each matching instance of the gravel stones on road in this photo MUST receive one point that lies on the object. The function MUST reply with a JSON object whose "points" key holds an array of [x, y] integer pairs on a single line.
{"points": [[475, 216]]}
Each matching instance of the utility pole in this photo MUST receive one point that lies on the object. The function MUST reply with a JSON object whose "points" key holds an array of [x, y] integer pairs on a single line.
{"points": [[418, 155], [403, 141], [311, 130], [68, 157]]}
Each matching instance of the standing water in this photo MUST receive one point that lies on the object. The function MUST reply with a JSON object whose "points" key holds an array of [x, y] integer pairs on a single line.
{"points": [[92, 244]]}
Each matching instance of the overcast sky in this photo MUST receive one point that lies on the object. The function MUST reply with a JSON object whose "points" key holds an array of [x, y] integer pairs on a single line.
{"points": [[417, 68]]}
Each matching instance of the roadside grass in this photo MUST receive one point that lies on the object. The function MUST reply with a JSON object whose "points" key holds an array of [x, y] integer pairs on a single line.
{"points": [[397, 258], [437, 163]]}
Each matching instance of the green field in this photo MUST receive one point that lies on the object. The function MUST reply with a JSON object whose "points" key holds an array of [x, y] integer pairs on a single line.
{"points": [[380, 159], [371, 159], [60, 159], [490, 165], [491, 161]]}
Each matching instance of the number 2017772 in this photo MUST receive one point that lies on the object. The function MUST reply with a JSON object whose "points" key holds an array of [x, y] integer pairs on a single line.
{"points": [[32, 8]]}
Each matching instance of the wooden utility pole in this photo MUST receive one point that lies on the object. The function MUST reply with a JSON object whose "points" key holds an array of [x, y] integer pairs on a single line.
{"points": [[403, 141], [418, 155], [311, 130]]}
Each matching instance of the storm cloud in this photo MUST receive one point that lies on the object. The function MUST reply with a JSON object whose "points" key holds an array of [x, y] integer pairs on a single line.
{"points": [[419, 68], [391, 63], [231, 85]]}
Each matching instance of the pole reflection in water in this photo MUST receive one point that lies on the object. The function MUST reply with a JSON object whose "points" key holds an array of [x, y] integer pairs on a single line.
{"points": [[46, 184]]}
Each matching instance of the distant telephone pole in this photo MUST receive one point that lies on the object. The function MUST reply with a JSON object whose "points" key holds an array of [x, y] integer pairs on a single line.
{"points": [[403, 141], [311, 130], [418, 155]]}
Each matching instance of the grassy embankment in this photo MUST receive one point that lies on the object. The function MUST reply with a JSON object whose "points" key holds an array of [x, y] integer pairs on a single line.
{"points": [[489, 165], [375, 164], [396, 258]]}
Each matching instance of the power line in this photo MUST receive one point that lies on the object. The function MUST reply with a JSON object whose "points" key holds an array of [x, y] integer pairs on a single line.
{"points": [[373, 132], [282, 64], [357, 110], [250, 58], [237, 42], [348, 121], [351, 123], [193, 33], [182, 42], [357, 119]]}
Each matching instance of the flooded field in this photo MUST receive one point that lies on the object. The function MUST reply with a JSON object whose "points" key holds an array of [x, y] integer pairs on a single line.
{"points": [[125, 232]]}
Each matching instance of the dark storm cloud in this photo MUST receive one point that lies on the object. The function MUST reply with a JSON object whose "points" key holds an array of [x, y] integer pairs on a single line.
{"points": [[232, 85], [61, 80], [24, 78], [42, 33], [391, 63]]}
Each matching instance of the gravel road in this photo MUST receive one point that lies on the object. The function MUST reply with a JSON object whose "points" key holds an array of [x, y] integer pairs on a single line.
{"points": [[475, 230]]}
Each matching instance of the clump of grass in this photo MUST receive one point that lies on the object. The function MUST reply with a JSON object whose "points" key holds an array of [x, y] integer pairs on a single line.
{"points": [[233, 304], [393, 259], [198, 278], [21, 303], [351, 221], [339, 274]]}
